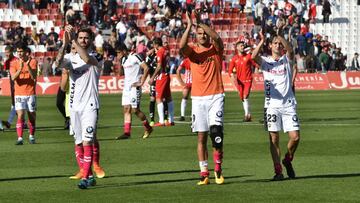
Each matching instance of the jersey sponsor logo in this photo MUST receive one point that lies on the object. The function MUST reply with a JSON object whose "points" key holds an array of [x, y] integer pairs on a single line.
{"points": [[72, 92], [90, 129], [193, 118]]}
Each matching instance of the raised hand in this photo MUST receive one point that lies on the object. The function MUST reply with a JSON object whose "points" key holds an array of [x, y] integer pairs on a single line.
{"points": [[188, 19], [197, 17]]}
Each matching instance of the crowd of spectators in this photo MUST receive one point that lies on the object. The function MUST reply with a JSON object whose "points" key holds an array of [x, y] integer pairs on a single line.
{"points": [[314, 53]]}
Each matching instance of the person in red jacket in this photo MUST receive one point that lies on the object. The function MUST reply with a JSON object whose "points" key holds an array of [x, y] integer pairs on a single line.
{"points": [[241, 74]]}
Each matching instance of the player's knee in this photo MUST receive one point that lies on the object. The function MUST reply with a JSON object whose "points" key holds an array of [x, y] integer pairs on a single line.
{"points": [[217, 136], [295, 136]]}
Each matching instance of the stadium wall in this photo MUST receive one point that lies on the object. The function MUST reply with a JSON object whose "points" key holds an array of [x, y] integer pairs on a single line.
{"points": [[114, 85]]}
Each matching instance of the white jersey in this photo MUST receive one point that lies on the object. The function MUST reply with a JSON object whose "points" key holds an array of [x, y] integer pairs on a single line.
{"points": [[132, 71], [84, 80], [277, 78]]}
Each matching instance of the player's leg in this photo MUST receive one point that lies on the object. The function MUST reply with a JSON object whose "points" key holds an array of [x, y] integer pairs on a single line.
{"points": [[291, 125], [145, 122], [12, 113], [60, 101], [152, 105], [99, 171], [275, 155], [201, 127], [79, 148], [170, 103], [88, 128], [160, 85], [273, 125], [202, 153], [186, 92], [246, 102], [127, 123], [20, 107], [216, 119], [31, 106]]}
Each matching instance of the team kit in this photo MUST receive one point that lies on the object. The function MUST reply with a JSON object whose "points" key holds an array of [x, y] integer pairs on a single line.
{"points": [[202, 64]]}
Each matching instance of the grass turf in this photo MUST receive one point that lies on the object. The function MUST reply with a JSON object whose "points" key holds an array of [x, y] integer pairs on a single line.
{"points": [[164, 168]]}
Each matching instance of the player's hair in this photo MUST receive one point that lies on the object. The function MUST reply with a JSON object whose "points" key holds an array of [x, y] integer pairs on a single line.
{"points": [[121, 47], [158, 41], [9, 48], [22, 46], [272, 38], [87, 30]]}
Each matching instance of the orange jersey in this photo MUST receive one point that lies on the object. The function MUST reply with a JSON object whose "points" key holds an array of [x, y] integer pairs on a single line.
{"points": [[24, 84], [241, 64], [205, 64]]}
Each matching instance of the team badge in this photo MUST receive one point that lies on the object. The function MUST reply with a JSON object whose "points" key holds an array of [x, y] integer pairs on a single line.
{"points": [[133, 100], [219, 114], [295, 118], [218, 139], [89, 129]]}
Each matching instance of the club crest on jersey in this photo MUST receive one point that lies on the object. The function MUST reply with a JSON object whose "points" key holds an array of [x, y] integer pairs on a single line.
{"points": [[90, 129], [218, 139], [295, 118], [219, 114]]}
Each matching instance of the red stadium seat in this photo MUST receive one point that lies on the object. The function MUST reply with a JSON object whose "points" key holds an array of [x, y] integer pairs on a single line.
{"points": [[42, 17], [3, 5], [43, 11]]}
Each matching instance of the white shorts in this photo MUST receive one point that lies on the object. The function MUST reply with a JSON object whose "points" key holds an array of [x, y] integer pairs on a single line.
{"points": [[281, 118], [84, 125], [25, 103], [207, 111], [131, 97]]}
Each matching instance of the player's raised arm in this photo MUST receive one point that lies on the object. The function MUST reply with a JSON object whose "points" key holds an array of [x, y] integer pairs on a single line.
{"points": [[82, 45], [184, 47], [289, 49], [66, 40], [218, 43], [255, 54]]}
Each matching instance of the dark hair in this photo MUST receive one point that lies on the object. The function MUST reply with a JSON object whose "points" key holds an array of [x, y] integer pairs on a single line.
{"points": [[9, 48], [87, 30], [158, 41], [121, 47], [22, 46]]}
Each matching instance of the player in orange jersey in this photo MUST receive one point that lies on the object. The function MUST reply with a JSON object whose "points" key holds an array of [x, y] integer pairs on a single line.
{"points": [[241, 74], [185, 64], [23, 73], [208, 96]]}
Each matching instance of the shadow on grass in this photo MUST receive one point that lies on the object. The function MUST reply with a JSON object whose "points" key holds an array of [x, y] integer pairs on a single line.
{"points": [[152, 136], [325, 176], [154, 173], [138, 183], [32, 178]]}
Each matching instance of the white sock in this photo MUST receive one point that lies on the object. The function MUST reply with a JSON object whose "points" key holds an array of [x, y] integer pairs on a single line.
{"points": [[203, 166], [171, 111], [12, 114], [183, 107], [246, 105], [160, 108]]}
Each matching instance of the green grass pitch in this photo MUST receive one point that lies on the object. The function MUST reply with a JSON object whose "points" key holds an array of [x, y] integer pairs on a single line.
{"points": [[164, 168]]}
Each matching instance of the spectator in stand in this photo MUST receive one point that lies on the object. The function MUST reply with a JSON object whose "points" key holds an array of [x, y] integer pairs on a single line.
{"points": [[70, 13], [107, 65], [42, 37], [216, 6], [55, 34], [299, 7], [242, 4], [143, 6], [99, 42], [50, 43], [112, 39], [190, 5], [46, 67], [312, 11], [326, 11], [355, 65], [121, 29], [324, 59], [301, 44], [338, 61], [289, 8], [259, 8]]}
